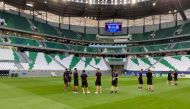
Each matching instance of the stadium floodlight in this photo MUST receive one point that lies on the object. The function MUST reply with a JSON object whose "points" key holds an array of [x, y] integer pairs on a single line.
{"points": [[90, 2], [115, 2], [45, 2], [29, 4], [170, 12], [175, 11], [154, 4], [134, 1]]}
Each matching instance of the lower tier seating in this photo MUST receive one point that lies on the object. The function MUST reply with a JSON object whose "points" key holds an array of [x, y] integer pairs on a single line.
{"points": [[167, 63]]}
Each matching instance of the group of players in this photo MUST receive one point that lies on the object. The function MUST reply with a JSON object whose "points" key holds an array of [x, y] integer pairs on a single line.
{"points": [[84, 81], [149, 76], [114, 81], [172, 79]]}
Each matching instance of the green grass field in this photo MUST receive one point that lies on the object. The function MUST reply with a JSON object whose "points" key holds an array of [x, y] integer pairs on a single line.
{"points": [[48, 93]]}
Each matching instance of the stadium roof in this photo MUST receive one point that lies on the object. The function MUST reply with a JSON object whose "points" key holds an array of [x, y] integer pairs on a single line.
{"points": [[97, 11]]}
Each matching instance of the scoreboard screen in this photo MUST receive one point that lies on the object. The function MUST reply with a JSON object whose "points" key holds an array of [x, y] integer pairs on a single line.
{"points": [[113, 27]]}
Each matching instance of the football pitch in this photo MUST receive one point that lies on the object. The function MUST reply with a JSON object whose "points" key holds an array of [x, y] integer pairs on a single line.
{"points": [[48, 93]]}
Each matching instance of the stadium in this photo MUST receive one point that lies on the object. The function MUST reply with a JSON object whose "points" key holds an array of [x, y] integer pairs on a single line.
{"points": [[41, 39]]}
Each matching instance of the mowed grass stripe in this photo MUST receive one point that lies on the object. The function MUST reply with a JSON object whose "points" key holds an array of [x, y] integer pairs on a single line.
{"points": [[48, 92]]}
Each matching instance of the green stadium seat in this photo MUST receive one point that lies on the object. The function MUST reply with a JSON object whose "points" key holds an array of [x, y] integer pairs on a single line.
{"points": [[56, 45], [15, 21], [45, 28], [24, 41]]}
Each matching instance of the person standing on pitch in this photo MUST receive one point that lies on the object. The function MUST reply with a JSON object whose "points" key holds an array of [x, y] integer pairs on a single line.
{"points": [[169, 77], [114, 82], [66, 79], [84, 77], [140, 79], [76, 81], [175, 78], [70, 76], [149, 80], [98, 81]]}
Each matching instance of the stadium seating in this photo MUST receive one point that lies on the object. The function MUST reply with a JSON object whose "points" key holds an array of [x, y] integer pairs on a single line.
{"points": [[8, 66], [45, 28], [70, 34], [180, 63], [24, 41], [137, 49], [43, 61], [40, 61], [8, 55], [77, 48], [87, 63], [162, 33], [15, 21], [185, 29], [115, 50], [115, 60], [92, 50], [182, 45], [140, 37], [89, 37], [56, 45], [22, 23]]}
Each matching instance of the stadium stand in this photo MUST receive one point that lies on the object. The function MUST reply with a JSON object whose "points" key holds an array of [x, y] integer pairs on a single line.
{"points": [[42, 61], [24, 41], [15, 21], [166, 63]]}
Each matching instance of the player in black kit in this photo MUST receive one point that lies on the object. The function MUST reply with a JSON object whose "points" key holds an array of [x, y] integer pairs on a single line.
{"points": [[140, 80], [76, 81], [98, 82], [149, 80], [169, 77], [84, 77], [175, 78], [66, 79], [70, 76], [114, 82]]}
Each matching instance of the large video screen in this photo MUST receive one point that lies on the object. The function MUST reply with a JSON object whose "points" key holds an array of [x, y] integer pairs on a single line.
{"points": [[113, 27]]}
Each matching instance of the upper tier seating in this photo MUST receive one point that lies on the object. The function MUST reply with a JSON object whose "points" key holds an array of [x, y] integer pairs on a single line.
{"points": [[182, 45], [115, 50], [56, 45], [141, 37], [22, 23], [162, 33], [167, 32], [92, 49], [115, 59], [89, 37], [70, 34], [186, 29], [77, 48], [45, 28], [15, 21], [24, 41]]}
